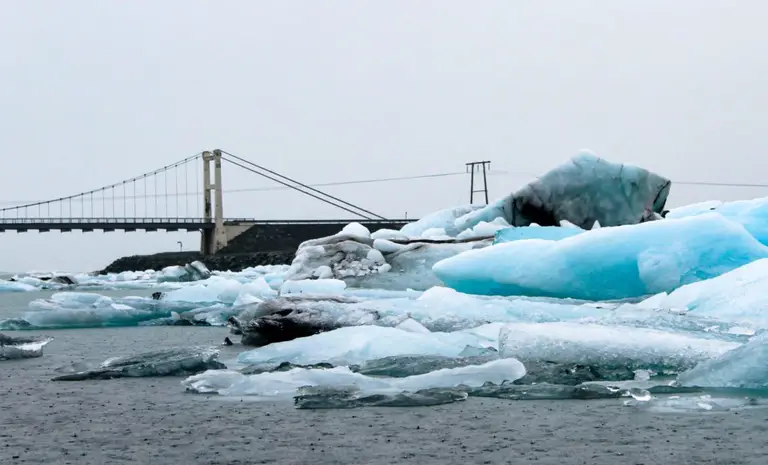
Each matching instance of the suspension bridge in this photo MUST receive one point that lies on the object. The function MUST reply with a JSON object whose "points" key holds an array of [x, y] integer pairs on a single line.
{"points": [[160, 201]]}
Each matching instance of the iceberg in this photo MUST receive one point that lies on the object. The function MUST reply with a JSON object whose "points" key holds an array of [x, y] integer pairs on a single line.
{"points": [[752, 214], [354, 345], [608, 346], [549, 233], [443, 219], [607, 263], [311, 398], [167, 362], [743, 367], [674, 321], [195, 271], [536, 372], [313, 286], [586, 192], [285, 319], [582, 191], [14, 348], [363, 262], [686, 404], [737, 296], [286, 383], [438, 309], [70, 310], [218, 289], [14, 286]]}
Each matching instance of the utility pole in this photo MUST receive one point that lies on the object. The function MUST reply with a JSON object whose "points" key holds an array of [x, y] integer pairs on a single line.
{"points": [[472, 167]]}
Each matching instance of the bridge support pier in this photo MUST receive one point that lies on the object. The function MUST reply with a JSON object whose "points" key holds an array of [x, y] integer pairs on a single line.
{"points": [[215, 239]]}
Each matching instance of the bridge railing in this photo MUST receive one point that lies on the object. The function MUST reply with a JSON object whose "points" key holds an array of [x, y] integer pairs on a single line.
{"points": [[337, 221], [29, 221]]}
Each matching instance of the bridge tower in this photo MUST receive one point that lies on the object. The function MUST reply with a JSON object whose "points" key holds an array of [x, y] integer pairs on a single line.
{"points": [[214, 239]]}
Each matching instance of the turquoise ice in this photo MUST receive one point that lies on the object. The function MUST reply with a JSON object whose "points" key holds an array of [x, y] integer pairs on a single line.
{"points": [[607, 263]]}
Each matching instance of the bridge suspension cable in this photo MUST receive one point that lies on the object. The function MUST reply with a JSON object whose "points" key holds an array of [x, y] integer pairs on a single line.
{"points": [[300, 187], [111, 201]]}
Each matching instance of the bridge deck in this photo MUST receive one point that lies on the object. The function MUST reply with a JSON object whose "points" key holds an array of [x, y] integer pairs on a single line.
{"points": [[153, 224]]}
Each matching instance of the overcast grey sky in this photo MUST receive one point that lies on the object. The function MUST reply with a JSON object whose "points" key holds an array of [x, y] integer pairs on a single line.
{"points": [[94, 92]]}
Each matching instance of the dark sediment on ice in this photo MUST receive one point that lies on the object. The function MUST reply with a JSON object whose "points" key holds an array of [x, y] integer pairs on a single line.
{"points": [[220, 262]]}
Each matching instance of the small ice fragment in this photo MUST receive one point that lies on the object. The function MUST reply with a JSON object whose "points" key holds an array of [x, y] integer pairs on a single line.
{"points": [[640, 395], [313, 286], [356, 229], [642, 375]]}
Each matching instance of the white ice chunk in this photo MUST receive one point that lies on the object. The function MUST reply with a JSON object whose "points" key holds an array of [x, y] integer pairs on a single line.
{"points": [[356, 229], [386, 246], [434, 233], [230, 383], [323, 272], [444, 219], [13, 286], [389, 234], [356, 344], [737, 295], [742, 367], [412, 326], [639, 348], [313, 286], [376, 256]]}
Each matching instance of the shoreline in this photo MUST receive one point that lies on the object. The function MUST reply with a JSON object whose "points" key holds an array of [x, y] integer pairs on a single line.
{"points": [[218, 262]]}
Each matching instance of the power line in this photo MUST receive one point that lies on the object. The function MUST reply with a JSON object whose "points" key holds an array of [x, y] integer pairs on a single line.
{"points": [[23, 203], [392, 179], [323, 184], [717, 184]]}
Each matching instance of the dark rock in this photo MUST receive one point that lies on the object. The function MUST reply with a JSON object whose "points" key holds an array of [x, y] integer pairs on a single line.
{"points": [[68, 280]]}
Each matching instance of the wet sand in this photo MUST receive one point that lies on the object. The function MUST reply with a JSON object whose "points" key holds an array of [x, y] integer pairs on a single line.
{"points": [[153, 421]]}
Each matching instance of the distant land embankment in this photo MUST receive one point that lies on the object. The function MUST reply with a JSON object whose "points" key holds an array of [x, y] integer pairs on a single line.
{"points": [[270, 244]]}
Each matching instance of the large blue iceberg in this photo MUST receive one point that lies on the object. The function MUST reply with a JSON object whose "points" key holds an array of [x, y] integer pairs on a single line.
{"points": [[752, 214], [606, 263], [550, 233]]}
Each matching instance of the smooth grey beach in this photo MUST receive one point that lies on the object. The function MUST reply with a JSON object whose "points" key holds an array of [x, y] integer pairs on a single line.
{"points": [[153, 421]]}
